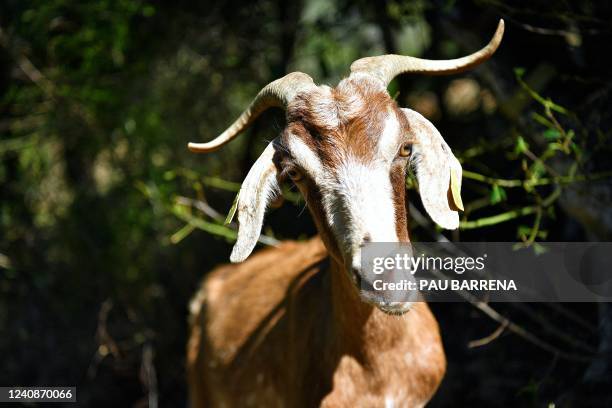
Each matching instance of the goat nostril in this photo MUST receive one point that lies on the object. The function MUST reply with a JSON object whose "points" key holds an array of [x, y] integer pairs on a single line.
{"points": [[366, 238]]}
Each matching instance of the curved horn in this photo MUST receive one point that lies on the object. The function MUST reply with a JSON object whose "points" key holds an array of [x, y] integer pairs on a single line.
{"points": [[276, 94], [387, 67]]}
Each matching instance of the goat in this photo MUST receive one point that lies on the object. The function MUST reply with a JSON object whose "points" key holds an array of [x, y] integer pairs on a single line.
{"points": [[289, 327]]}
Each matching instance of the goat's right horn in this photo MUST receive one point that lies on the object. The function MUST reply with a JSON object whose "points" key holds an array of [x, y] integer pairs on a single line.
{"points": [[387, 67], [276, 94]]}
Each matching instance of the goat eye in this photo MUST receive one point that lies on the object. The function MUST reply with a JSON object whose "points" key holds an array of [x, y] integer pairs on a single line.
{"points": [[294, 174], [405, 150]]}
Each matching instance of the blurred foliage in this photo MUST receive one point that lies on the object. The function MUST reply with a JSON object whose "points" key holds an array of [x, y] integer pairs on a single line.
{"points": [[107, 223]]}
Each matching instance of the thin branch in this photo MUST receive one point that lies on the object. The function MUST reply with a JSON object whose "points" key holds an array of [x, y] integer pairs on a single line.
{"points": [[520, 331], [554, 330], [569, 314], [221, 184], [536, 227], [226, 231], [491, 180], [514, 327], [148, 375], [497, 219], [511, 183], [28, 68], [486, 340], [202, 206]]}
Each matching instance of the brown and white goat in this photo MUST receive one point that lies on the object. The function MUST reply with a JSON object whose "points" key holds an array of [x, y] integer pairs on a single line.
{"points": [[290, 327]]}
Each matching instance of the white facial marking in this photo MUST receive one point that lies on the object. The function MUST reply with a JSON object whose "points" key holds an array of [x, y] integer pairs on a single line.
{"points": [[357, 196], [387, 143], [358, 201], [389, 402], [306, 158]]}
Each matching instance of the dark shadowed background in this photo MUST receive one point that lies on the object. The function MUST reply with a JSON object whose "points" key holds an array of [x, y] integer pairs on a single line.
{"points": [[108, 223]]}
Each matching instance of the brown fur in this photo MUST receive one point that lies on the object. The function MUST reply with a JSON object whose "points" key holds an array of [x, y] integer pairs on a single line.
{"points": [[398, 182], [348, 118], [286, 329]]}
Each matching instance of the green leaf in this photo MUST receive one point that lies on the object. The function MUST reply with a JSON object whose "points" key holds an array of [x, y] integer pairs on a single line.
{"points": [[577, 149], [538, 249], [523, 231], [552, 134], [498, 194], [521, 145], [519, 72], [537, 170]]}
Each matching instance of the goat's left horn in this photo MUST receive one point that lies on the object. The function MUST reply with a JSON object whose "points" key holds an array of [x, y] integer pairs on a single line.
{"points": [[276, 94], [387, 67]]}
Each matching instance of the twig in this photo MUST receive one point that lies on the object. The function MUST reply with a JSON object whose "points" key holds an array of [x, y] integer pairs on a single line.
{"points": [[536, 227], [148, 375], [491, 180], [499, 218], [567, 313], [202, 206], [222, 184], [515, 328], [226, 231], [511, 183], [106, 343], [48, 87], [489, 338], [577, 343]]}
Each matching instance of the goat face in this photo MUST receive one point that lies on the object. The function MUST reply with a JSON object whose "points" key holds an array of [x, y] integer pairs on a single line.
{"points": [[347, 149]]}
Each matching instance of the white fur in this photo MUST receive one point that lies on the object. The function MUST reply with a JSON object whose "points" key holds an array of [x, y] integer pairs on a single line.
{"points": [[388, 141], [326, 108], [306, 158], [357, 196], [351, 104], [358, 200]]}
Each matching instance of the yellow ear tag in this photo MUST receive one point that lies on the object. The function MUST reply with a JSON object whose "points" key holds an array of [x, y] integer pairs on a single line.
{"points": [[455, 185], [232, 211]]}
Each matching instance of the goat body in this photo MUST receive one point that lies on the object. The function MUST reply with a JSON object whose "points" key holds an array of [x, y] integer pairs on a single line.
{"points": [[280, 330], [290, 326]]}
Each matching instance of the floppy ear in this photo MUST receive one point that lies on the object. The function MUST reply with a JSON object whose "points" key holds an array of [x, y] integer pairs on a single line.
{"points": [[438, 172], [259, 188]]}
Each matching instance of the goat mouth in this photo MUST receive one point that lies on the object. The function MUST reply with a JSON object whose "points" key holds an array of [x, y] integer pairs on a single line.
{"points": [[371, 296]]}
